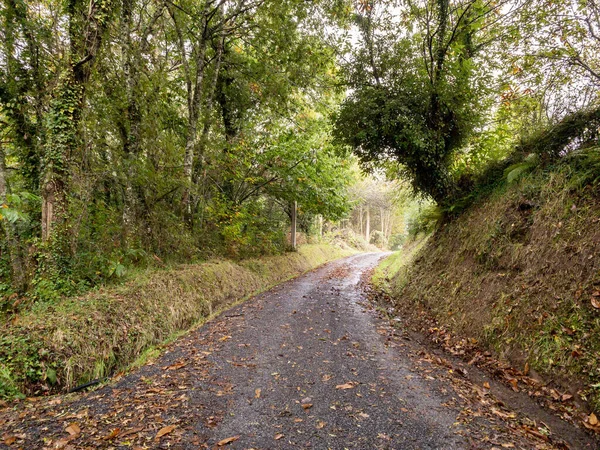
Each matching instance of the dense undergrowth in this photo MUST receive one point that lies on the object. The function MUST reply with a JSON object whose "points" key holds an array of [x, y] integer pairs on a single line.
{"points": [[518, 270], [55, 345]]}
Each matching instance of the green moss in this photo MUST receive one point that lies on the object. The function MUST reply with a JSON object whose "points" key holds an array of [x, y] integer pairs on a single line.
{"points": [[516, 271], [89, 337]]}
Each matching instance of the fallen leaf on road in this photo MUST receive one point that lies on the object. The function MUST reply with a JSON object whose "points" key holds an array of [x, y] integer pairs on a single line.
{"points": [[278, 436], [257, 393], [566, 397], [226, 441], [163, 431], [345, 386], [327, 377], [593, 420], [486, 385], [320, 425], [307, 405], [224, 338], [73, 429], [113, 434], [176, 366], [9, 440]]}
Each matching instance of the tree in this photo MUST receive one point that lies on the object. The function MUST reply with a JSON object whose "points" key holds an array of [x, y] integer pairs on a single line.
{"points": [[413, 98]]}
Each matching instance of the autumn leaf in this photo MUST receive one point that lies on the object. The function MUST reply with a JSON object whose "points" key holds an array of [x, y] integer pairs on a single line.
{"points": [[73, 429], [164, 430], [278, 436], [345, 386], [307, 405], [593, 420], [486, 385], [226, 441], [320, 425], [10, 440], [176, 366], [595, 302], [113, 434], [257, 393], [225, 338]]}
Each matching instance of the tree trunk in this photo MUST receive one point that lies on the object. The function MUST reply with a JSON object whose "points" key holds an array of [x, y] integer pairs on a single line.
{"points": [[368, 225], [293, 228], [12, 238]]}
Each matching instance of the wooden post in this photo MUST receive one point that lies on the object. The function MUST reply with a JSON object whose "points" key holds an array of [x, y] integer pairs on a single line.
{"points": [[293, 233]]}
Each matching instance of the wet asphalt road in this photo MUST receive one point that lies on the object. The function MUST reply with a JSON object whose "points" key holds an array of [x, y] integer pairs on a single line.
{"points": [[308, 364]]}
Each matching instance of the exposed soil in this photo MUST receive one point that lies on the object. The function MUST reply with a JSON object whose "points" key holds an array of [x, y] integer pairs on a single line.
{"points": [[309, 364]]}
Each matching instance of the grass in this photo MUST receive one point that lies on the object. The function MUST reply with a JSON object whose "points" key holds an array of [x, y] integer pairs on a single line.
{"points": [[517, 271], [58, 346]]}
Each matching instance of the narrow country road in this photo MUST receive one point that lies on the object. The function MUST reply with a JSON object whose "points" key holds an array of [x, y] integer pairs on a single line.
{"points": [[309, 364]]}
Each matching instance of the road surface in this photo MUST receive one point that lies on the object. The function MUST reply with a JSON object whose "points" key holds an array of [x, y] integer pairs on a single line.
{"points": [[308, 364]]}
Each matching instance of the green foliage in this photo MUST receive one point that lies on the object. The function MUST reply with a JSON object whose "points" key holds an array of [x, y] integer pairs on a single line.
{"points": [[515, 171], [423, 221], [413, 99]]}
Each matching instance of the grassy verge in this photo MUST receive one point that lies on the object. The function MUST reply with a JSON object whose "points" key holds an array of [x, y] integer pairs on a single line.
{"points": [[57, 346], [518, 272]]}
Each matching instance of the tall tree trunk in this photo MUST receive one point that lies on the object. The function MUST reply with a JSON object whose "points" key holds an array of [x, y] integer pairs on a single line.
{"points": [[62, 139], [368, 225], [12, 238]]}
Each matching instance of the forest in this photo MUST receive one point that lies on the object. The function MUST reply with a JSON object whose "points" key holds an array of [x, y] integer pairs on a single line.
{"points": [[147, 132], [165, 163]]}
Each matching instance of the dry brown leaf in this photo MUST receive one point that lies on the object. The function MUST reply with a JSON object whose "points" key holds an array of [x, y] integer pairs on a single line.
{"points": [[257, 393], [514, 384], [278, 436], [486, 385], [320, 425], [226, 441], [307, 405], [595, 302], [73, 429], [224, 338], [113, 434], [9, 440], [132, 431], [345, 386], [164, 430], [176, 366], [327, 377], [566, 397], [593, 420]]}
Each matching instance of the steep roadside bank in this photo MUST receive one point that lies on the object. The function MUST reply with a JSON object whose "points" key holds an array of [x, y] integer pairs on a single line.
{"points": [[56, 346], [519, 275]]}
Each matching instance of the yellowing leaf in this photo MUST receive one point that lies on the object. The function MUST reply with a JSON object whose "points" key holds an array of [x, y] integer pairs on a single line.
{"points": [[278, 436], [164, 430], [257, 393], [226, 441], [592, 419]]}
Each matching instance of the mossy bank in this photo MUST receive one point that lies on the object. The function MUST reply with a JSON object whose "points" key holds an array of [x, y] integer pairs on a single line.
{"points": [[518, 271], [56, 346]]}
